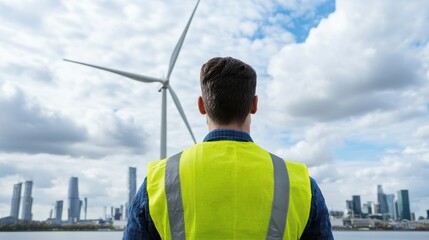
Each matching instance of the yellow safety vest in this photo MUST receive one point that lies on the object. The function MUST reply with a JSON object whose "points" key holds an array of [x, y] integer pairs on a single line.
{"points": [[228, 190]]}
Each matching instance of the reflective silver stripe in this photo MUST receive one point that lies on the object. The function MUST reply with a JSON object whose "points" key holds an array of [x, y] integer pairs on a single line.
{"points": [[279, 210], [173, 194]]}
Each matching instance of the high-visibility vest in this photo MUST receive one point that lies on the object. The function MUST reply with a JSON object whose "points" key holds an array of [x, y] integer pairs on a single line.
{"points": [[228, 190]]}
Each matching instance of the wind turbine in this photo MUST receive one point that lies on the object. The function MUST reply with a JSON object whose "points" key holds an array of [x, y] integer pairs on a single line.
{"points": [[165, 85]]}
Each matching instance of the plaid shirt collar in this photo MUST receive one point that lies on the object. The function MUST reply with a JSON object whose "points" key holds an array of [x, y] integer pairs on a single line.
{"points": [[229, 135]]}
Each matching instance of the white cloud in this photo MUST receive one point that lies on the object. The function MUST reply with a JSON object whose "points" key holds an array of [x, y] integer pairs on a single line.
{"points": [[316, 147], [347, 67], [28, 128]]}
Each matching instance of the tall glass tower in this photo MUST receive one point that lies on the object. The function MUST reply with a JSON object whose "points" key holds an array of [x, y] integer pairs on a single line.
{"points": [[382, 201], [132, 178], [403, 205], [58, 211], [16, 199], [357, 209], [390, 199], [74, 202], [27, 202]]}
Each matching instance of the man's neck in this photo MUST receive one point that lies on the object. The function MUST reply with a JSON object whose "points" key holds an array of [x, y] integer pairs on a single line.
{"points": [[245, 127]]}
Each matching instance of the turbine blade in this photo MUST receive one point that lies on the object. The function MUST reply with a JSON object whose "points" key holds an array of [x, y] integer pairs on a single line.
{"points": [[182, 113], [133, 76], [179, 44]]}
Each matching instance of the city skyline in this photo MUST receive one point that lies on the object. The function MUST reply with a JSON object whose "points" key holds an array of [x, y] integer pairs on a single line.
{"points": [[395, 208], [76, 207], [337, 90]]}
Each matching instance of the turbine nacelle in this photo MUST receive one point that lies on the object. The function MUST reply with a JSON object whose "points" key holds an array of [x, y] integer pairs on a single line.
{"points": [[162, 86]]}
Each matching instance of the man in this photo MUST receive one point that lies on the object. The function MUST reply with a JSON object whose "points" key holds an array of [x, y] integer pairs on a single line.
{"points": [[228, 187]]}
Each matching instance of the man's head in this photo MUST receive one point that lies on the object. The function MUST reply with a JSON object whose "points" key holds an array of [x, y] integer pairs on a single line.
{"points": [[228, 90]]}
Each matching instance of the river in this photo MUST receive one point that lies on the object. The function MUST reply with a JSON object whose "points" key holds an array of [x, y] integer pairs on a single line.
{"points": [[339, 235]]}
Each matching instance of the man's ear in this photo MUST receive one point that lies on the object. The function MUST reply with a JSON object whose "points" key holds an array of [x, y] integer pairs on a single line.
{"points": [[201, 106], [254, 107]]}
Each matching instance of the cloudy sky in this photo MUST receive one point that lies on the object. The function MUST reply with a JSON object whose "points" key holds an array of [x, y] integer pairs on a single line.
{"points": [[343, 87]]}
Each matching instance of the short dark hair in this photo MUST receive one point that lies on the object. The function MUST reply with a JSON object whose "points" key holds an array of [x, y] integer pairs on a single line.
{"points": [[228, 86]]}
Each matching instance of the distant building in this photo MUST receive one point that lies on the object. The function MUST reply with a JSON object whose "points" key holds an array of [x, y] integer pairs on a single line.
{"points": [[413, 216], [122, 212], [357, 210], [118, 214], [382, 201], [8, 220], [126, 211], [336, 214], [349, 204], [80, 208], [403, 205], [85, 206], [74, 203], [390, 199], [16, 200], [27, 202], [427, 212], [132, 179], [58, 209], [375, 208], [367, 208], [396, 210]]}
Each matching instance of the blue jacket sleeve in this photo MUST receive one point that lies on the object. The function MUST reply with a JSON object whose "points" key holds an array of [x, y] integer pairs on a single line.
{"points": [[140, 224], [318, 225]]}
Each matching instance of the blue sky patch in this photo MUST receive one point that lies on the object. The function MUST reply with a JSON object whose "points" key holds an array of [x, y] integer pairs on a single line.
{"points": [[361, 151], [292, 21]]}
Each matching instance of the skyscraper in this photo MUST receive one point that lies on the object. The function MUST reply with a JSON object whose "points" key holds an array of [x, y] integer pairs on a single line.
{"points": [[396, 210], [382, 201], [403, 205], [122, 212], [27, 202], [16, 199], [74, 202], [357, 209], [58, 210], [132, 178], [390, 200], [85, 206]]}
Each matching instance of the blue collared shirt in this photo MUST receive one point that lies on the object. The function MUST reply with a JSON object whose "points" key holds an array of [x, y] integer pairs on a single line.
{"points": [[140, 224]]}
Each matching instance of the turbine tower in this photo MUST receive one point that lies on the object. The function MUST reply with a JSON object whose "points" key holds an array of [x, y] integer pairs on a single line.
{"points": [[165, 86]]}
